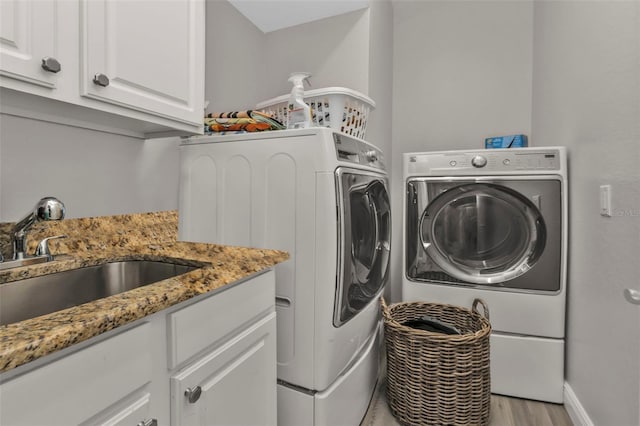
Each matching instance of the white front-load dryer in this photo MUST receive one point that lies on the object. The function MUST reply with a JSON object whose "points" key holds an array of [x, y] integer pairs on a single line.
{"points": [[492, 224], [321, 196]]}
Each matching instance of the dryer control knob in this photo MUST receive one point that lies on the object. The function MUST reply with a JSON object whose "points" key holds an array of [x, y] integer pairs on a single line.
{"points": [[479, 161]]}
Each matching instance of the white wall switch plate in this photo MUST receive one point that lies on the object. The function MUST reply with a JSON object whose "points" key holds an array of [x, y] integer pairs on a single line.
{"points": [[605, 200]]}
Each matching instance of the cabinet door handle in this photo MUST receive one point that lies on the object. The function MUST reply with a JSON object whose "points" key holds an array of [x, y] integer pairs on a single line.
{"points": [[150, 422], [101, 80], [51, 64], [193, 395], [632, 296]]}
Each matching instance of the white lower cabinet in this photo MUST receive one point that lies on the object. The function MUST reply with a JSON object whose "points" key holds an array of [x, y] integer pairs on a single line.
{"points": [[131, 378], [232, 385], [134, 410], [79, 386]]}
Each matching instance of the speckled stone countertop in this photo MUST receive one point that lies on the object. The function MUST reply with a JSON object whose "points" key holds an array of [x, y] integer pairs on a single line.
{"points": [[93, 241]]}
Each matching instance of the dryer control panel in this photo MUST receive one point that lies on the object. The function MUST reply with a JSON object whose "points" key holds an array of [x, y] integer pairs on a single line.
{"points": [[486, 162]]}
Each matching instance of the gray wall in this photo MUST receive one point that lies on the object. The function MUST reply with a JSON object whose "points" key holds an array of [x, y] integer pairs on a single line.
{"points": [[235, 60], [93, 173], [587, 97], [334, 50], [462, 72], [379, 128], [565, 73], [256, 68], [96, 173], [353, 50]]}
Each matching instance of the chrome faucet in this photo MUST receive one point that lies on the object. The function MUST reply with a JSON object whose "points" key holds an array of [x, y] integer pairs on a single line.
{"points": [[48, 208]]}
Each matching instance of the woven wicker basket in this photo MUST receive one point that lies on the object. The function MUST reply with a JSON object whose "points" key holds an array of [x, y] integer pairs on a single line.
{"points": [[435, 378]]}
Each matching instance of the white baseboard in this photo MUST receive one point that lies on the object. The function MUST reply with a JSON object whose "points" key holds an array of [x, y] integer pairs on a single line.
{"points": [[574, 408]]}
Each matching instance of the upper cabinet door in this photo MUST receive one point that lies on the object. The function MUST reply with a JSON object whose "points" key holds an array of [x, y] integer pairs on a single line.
{"points": [[29, 41], [145, 55]]}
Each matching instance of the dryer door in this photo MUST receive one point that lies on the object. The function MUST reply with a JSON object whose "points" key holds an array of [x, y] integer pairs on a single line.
{"points": [[365, 233], [482, 233]]}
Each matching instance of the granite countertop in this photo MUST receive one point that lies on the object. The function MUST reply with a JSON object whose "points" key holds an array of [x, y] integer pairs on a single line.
{"points": [[116, 238]]}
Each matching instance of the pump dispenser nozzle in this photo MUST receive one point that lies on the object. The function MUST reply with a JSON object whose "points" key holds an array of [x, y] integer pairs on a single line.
{"points": [[298, 78], [299, 113]]}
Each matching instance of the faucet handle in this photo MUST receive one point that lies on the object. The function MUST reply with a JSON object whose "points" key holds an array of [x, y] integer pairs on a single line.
{"points": [[43, 247]]}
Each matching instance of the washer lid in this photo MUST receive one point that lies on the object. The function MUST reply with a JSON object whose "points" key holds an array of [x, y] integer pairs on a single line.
{"points": [[483, 233]]}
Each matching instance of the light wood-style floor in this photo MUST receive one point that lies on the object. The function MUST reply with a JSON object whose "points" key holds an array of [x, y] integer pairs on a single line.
{"points": [[505, 411]]}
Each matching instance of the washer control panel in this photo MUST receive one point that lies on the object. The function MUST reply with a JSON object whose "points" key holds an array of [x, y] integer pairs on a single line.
{"points": [[475, 162], [357, 151]]}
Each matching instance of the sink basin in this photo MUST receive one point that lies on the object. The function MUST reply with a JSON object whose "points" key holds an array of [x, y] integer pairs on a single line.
{"points": [[32, 297]]}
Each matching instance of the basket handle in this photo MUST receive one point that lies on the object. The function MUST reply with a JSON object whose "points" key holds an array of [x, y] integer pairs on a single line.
{"points": [[485, 308], [385, 308]]}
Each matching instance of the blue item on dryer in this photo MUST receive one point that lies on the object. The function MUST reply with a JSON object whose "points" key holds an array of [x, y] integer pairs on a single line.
{"points": [[511, 141]]}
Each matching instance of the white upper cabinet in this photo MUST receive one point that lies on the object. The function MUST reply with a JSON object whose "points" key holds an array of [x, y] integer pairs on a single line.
{"points": [[28, 42], [146, 55], [129, 67]]}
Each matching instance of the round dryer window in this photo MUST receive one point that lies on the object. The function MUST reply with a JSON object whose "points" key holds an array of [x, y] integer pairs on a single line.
{"points": [[483, 233]]}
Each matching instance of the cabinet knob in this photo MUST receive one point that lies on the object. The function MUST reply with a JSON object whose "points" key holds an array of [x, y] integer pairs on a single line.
{"points": [[150, 422], [51, 64], [193, 395], [101, 80]]}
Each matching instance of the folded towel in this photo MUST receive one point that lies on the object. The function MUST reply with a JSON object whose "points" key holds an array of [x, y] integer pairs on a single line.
{"points": [[238, 121], [235, 114], [235, 124]]}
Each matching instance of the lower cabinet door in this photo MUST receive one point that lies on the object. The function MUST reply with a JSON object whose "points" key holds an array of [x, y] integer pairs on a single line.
{"points": [[235, 384]]}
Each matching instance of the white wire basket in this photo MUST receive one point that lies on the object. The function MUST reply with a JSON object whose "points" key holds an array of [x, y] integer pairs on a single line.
{"points": [[338, 108]]}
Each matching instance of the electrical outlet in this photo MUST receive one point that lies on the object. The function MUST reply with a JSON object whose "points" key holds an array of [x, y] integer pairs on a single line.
{"points": [[605, 200]]}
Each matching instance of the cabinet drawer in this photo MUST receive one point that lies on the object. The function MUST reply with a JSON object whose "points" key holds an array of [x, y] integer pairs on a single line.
{"points": [[205, 323], [132, 411], [76, 387]]}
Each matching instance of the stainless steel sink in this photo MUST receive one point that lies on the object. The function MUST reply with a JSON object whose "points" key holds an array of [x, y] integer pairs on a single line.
{"points": [[32, 297]]}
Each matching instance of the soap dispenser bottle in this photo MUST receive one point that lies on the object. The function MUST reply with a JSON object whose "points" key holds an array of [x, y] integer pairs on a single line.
{"points": [[299, 113]]}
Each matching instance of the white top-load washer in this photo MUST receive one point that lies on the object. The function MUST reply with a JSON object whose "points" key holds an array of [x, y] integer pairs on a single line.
{"points": [[492, 224], [321, 196]]}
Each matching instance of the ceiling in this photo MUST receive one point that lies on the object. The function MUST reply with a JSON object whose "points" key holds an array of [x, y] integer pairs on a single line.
{"points": [[272, 15]]}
